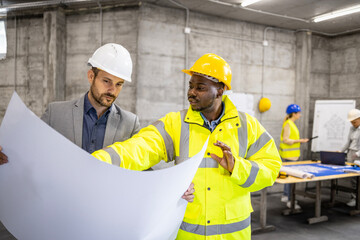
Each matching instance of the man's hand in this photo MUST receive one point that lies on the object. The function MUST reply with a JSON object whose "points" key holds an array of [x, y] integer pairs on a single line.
{"points": [[3, 157], [227, 161], [189, 194]]}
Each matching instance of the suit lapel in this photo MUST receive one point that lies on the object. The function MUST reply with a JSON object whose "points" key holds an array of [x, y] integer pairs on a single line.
{"points": [[78, 113], [112, 124]]}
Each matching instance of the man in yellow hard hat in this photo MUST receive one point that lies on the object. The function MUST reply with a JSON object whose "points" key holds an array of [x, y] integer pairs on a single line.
{"points": [[241, 156]]}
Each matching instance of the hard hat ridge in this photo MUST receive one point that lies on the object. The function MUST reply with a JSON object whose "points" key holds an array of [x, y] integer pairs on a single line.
{"points": [[114, 59]]}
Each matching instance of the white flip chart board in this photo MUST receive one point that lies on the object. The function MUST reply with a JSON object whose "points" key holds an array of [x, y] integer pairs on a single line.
{"points": [[242, 101], [331, 124]]}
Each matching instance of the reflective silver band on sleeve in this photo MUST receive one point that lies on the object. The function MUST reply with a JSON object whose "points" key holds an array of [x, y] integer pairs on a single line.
{"points": [[208, 163], [169, 144], [258, 144], [115, 158], [215, 229], [184, 139], [242, 135], [252, 176]]}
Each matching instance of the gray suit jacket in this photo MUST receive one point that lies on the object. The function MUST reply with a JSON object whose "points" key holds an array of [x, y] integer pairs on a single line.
{"points": [[67, 118]]}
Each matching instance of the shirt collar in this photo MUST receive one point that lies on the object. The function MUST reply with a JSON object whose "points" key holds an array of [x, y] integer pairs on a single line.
{"points": [[215, 122], [88, 106]]}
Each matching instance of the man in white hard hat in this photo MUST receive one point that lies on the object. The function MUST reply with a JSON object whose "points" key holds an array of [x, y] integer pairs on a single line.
{"points": [[352, 145], [94, 121]]}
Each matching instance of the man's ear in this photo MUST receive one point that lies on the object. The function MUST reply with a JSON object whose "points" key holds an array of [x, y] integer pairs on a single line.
{"points": [[90, 75], [220, 91]]}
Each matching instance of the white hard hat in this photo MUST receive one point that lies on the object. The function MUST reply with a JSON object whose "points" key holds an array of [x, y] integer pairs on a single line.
{"points": [[353, 114], [114, 59]]}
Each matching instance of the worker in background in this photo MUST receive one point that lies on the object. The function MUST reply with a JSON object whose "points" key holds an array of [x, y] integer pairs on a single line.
{"points": [[290, 145], [352, 146], [241, 156]]}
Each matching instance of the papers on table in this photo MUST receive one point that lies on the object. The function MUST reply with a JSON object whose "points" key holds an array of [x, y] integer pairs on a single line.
{"points": [[52, 189], [296, 172]]}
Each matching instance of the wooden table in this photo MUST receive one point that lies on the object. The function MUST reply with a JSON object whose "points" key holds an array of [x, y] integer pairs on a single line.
{"points": [[293, 180]]}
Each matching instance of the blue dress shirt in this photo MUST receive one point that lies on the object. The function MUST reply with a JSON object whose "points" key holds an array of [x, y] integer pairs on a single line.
{"points": [[93, 128], [212, 125]]}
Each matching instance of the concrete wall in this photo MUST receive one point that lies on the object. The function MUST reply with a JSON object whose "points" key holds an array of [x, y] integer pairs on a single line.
{"points": [[345, 68], [335, 71], [293, 68], [23, 68], [268, 72], [84, 37], [161, 56], [320, 78]]}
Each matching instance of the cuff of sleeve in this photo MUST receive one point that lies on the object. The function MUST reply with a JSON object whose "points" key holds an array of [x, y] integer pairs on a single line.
{"points": [[235, 173], [102, 156]]}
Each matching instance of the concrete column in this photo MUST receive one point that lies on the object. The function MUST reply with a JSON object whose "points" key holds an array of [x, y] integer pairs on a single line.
{"points": [[302, 84], [54, 56]]}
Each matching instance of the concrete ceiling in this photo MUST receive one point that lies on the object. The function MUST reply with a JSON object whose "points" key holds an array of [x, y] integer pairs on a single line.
{"points": [[301, 10], [288, 14]]}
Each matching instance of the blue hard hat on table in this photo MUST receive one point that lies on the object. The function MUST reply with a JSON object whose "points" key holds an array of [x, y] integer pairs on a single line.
{"points": [[293, 108]]}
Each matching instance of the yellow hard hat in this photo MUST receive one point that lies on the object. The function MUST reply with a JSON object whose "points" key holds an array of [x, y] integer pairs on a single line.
{"points": [[214, 66], [264, 104]]}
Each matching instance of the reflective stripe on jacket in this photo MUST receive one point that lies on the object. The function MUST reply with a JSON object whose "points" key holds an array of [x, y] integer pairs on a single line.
{"points": [[287, 150], [222, 205]]}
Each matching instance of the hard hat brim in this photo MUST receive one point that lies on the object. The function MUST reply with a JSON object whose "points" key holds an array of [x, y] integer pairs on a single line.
{"points": [[96, 64], [187, 72], [353, 118]]}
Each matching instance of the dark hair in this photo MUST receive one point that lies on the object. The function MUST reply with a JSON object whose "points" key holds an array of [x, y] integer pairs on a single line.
{"points": [[289, 115], [95, 71], [220, 85]]}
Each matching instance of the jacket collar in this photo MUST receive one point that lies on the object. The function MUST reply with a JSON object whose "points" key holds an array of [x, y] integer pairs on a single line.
{"points": [[230, 112]]}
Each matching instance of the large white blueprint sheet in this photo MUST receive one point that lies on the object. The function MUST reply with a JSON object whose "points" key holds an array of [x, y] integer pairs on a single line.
{"points": [[52, 189]]}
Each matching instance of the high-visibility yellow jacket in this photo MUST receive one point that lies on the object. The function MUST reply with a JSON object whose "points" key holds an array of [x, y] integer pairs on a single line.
{"points": [[293, 150], [222, 205]]}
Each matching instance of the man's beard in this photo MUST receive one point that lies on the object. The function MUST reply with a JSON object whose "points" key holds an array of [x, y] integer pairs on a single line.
{"points": [[100, 99], [202, 108]]}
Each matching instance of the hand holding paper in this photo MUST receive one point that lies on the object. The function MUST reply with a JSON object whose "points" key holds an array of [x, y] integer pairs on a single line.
{"points": [[189, 194], [3, 157]]}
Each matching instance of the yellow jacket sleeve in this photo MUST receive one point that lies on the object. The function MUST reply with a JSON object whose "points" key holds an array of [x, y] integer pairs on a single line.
{"points": [[262, 162], [142, 151]]}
